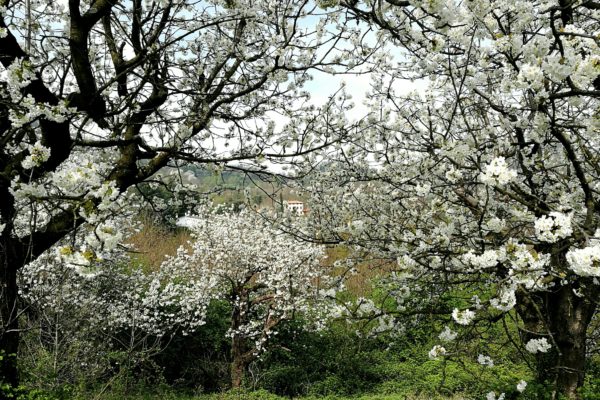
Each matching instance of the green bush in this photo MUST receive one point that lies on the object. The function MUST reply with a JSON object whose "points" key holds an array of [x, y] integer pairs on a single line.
{"points": [[591, 388], [199, 362], [332, 361]]}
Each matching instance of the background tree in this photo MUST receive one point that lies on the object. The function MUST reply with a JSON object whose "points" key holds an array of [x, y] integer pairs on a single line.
{"points": [[102, 326], [97, 96], [266, 276], [487, 180]]}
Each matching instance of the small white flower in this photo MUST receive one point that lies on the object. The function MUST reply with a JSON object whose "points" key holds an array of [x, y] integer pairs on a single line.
{"points": [[532, 75], [492, 396], [586, 261], [38, 155], [535, 346], [521, 386], [447, 335], [464, 317], [506, 299], [488, 259], [454, 175], [496, 225], [436, 352], [423, 190], [486, 361]]}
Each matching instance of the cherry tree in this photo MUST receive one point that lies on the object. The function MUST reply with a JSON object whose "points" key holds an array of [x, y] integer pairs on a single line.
{"points": [[83, 318], [487, 179], [265, 275], [97, 96]]}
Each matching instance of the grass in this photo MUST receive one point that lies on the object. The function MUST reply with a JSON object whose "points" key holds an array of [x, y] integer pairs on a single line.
{"points": [[262, 395], [154, 243]]}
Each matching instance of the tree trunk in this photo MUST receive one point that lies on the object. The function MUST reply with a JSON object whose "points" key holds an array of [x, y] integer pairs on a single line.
{"points": [[565, 321], [238, 342], [238, 364], [569, 318], [9, 325]]}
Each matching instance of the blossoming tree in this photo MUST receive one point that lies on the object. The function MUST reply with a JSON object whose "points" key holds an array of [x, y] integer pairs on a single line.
{"points": [[265, 275], [81, 317], [97, 96], [489, 178]]}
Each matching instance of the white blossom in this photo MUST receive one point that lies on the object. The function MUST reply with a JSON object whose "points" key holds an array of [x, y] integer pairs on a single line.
{"points": [[447, 335], [436, 352], [38, 155], [496, 224], [586, 261], [484, 360], [454, 175], [244, 258], [464, 317], [540, 345], [532, 75], [492, 396], [553, 227], [506, 299], [497, 173]]}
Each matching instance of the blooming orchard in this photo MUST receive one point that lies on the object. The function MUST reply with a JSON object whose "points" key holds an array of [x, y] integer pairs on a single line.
{"points": [[486, 182]]}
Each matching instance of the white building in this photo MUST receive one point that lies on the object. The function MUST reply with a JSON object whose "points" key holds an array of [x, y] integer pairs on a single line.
{"points": [[294, 206]]}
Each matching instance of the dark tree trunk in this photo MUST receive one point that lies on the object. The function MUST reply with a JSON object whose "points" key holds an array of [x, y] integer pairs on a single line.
{"points": [[238, 363], [565, 321], [569, 319], [10, 261], [9, 326]]}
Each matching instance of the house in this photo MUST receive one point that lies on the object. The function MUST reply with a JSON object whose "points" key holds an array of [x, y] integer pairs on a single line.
{"points": [[294, 206]]}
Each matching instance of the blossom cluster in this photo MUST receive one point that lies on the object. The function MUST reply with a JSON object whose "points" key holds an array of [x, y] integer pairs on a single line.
{"points": [[540, 345], [436, 352], [464, 317], [115, 299], [586, 261], [553, 227], [497, 173], [38, 154]]}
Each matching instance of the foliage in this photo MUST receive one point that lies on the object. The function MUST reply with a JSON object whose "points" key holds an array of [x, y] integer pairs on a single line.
{"points": [[200, 360], [345, 360]]}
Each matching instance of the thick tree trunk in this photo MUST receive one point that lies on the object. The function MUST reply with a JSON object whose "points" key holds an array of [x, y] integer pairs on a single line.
{"points": [[9, 326], [565, 321], [238, 364], [569, 318]]}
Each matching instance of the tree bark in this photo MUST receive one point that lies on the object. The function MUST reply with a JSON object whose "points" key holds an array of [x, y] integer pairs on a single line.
{"points": [[238, 364], [569, 317], [238, 350], [9, 324], [10, 260], [564, 321]]}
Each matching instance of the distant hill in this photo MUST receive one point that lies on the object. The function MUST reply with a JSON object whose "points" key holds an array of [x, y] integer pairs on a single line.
{"points": [[237, 187]]}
